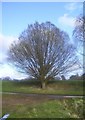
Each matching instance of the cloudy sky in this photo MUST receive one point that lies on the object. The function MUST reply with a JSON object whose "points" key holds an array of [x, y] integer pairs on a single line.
{"points": [[17, 15]]}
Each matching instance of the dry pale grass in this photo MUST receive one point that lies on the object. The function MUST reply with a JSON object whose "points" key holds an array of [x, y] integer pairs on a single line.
{"points": [[0, 105], [21, 99]]}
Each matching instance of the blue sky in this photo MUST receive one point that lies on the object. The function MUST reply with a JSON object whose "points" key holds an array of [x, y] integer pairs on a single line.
{"points": [[17, 15]]}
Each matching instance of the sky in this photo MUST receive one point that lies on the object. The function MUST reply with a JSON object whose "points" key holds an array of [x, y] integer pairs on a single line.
{"points": [[17, 15]]}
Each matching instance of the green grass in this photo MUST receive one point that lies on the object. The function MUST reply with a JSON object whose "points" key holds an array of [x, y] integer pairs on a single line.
{"points": [[28, 107], [0, 85], [22, 106], [0, 105], [54, 87]]}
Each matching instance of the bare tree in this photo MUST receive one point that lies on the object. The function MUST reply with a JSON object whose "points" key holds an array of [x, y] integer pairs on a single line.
{"points": [[63, 77], [79, 28], [43, 52], [79, 38], [79, 32]]}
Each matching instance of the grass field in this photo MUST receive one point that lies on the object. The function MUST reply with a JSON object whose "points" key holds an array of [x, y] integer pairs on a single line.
{"points": [[19, 106], [54, 87], [23, 106]]}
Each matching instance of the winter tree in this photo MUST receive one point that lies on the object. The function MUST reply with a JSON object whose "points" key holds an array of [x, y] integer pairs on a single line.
{"points": [[43, 51]]}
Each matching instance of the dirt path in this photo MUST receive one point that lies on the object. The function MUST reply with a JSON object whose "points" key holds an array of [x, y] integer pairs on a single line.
{"points": [[44, 95]]}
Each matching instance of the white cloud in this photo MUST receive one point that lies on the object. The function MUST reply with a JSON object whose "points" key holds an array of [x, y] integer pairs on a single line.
{"points": [[67, 20], [6, 70], [73, 6], [5, 42]]}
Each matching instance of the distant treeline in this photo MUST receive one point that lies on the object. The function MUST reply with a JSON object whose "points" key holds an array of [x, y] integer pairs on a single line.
{"points": [[72, 77]]}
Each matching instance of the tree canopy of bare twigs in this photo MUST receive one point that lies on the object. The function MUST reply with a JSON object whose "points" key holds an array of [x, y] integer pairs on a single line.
{"points": [[79, 32], [79, 37], [43, 52]]}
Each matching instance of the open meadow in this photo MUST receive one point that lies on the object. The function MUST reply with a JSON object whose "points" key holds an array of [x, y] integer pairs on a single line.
{"points": [[19, 106], [53, 87], [24, 106]]}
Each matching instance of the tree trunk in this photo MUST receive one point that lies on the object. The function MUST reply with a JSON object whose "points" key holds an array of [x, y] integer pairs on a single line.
{"points": [[43, 84]]}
